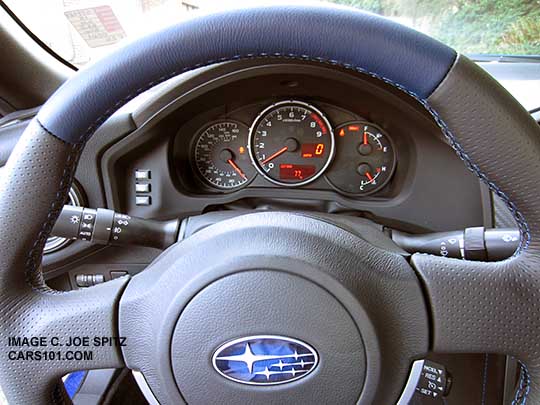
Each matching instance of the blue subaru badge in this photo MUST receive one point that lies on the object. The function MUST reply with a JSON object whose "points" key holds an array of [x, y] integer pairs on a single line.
{"points": [[265, 360]]}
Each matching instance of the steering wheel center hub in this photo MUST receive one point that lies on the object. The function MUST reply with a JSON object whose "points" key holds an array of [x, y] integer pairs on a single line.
{"points": [[260, 328]]}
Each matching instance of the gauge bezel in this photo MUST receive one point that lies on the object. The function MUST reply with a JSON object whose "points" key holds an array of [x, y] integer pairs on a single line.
{"points": [[193, 160], [259, 118], [391, 172]]}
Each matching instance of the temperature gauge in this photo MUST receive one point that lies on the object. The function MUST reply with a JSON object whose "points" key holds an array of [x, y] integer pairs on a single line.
{"points": [[365, 159]]}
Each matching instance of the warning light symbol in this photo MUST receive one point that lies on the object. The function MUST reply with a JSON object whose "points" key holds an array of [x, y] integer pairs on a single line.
{"points": [[242, 150], [342, 132]]}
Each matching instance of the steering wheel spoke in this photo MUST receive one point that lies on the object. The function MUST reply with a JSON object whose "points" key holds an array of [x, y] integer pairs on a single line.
{"points": [[58, 333], [484, 307], [479, 307]]}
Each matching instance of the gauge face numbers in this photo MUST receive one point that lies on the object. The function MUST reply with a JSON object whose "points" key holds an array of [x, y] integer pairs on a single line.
{"points": [[365, 159], [221, 155], [291, 143]]}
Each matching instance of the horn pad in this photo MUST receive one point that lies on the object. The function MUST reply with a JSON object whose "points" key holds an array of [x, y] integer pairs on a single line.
{"points": [[272, 318]]}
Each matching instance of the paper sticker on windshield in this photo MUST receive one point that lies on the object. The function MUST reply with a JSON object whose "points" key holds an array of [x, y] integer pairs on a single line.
{"points": [[98, 26]]}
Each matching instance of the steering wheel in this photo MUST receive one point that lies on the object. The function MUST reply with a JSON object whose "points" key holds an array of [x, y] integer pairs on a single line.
{"points": [[364, 311]]}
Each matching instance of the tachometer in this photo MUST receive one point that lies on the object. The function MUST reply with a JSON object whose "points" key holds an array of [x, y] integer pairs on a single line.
{"points": [[291, 143], [365, 160], [221, 154]]}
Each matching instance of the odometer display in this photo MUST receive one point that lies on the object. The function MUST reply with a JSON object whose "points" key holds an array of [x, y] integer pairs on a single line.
{"points": [[296, 172], [291, 143]]}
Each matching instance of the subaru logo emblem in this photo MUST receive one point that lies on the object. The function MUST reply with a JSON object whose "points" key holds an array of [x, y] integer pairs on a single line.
{"points": [[265, 360]]}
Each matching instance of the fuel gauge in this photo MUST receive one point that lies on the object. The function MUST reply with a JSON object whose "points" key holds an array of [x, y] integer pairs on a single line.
{"points": [[364, 161]]}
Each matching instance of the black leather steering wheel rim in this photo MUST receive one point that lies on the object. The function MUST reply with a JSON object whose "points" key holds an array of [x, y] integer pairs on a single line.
{"points": [[472, 304]]}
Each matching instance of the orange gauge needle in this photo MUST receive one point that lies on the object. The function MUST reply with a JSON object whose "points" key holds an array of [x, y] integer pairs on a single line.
{"points": [[365, 138], [275, 155], [369, 176], [237, 169]]}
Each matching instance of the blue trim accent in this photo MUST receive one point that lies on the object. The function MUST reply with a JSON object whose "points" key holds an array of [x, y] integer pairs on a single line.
{"points": [[73, 382], [339, 36]]}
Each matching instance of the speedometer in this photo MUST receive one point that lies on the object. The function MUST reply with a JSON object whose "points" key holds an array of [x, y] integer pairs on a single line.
{"points": [[291, 143]]}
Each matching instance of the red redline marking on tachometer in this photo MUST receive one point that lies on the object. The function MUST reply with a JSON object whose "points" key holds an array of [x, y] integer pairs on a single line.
{"points": [[319, 122], [237, 169], [275, 155]]}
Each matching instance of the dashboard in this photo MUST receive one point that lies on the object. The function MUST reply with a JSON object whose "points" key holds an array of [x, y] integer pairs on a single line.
{"points": [[291, 136]]}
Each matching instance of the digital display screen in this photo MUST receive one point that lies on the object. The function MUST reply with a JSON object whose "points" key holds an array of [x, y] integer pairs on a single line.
{"points": [[312, 150], [296, 172]]}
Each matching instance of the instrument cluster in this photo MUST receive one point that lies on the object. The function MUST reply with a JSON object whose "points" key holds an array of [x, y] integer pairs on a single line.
{"points": [[291, 144]]}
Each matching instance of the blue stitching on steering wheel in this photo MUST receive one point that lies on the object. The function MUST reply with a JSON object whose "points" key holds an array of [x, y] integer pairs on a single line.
{"points": [[522, 391]]}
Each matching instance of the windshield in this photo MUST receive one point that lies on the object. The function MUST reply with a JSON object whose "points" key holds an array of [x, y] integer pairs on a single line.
{"points": [[81, 31]]}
